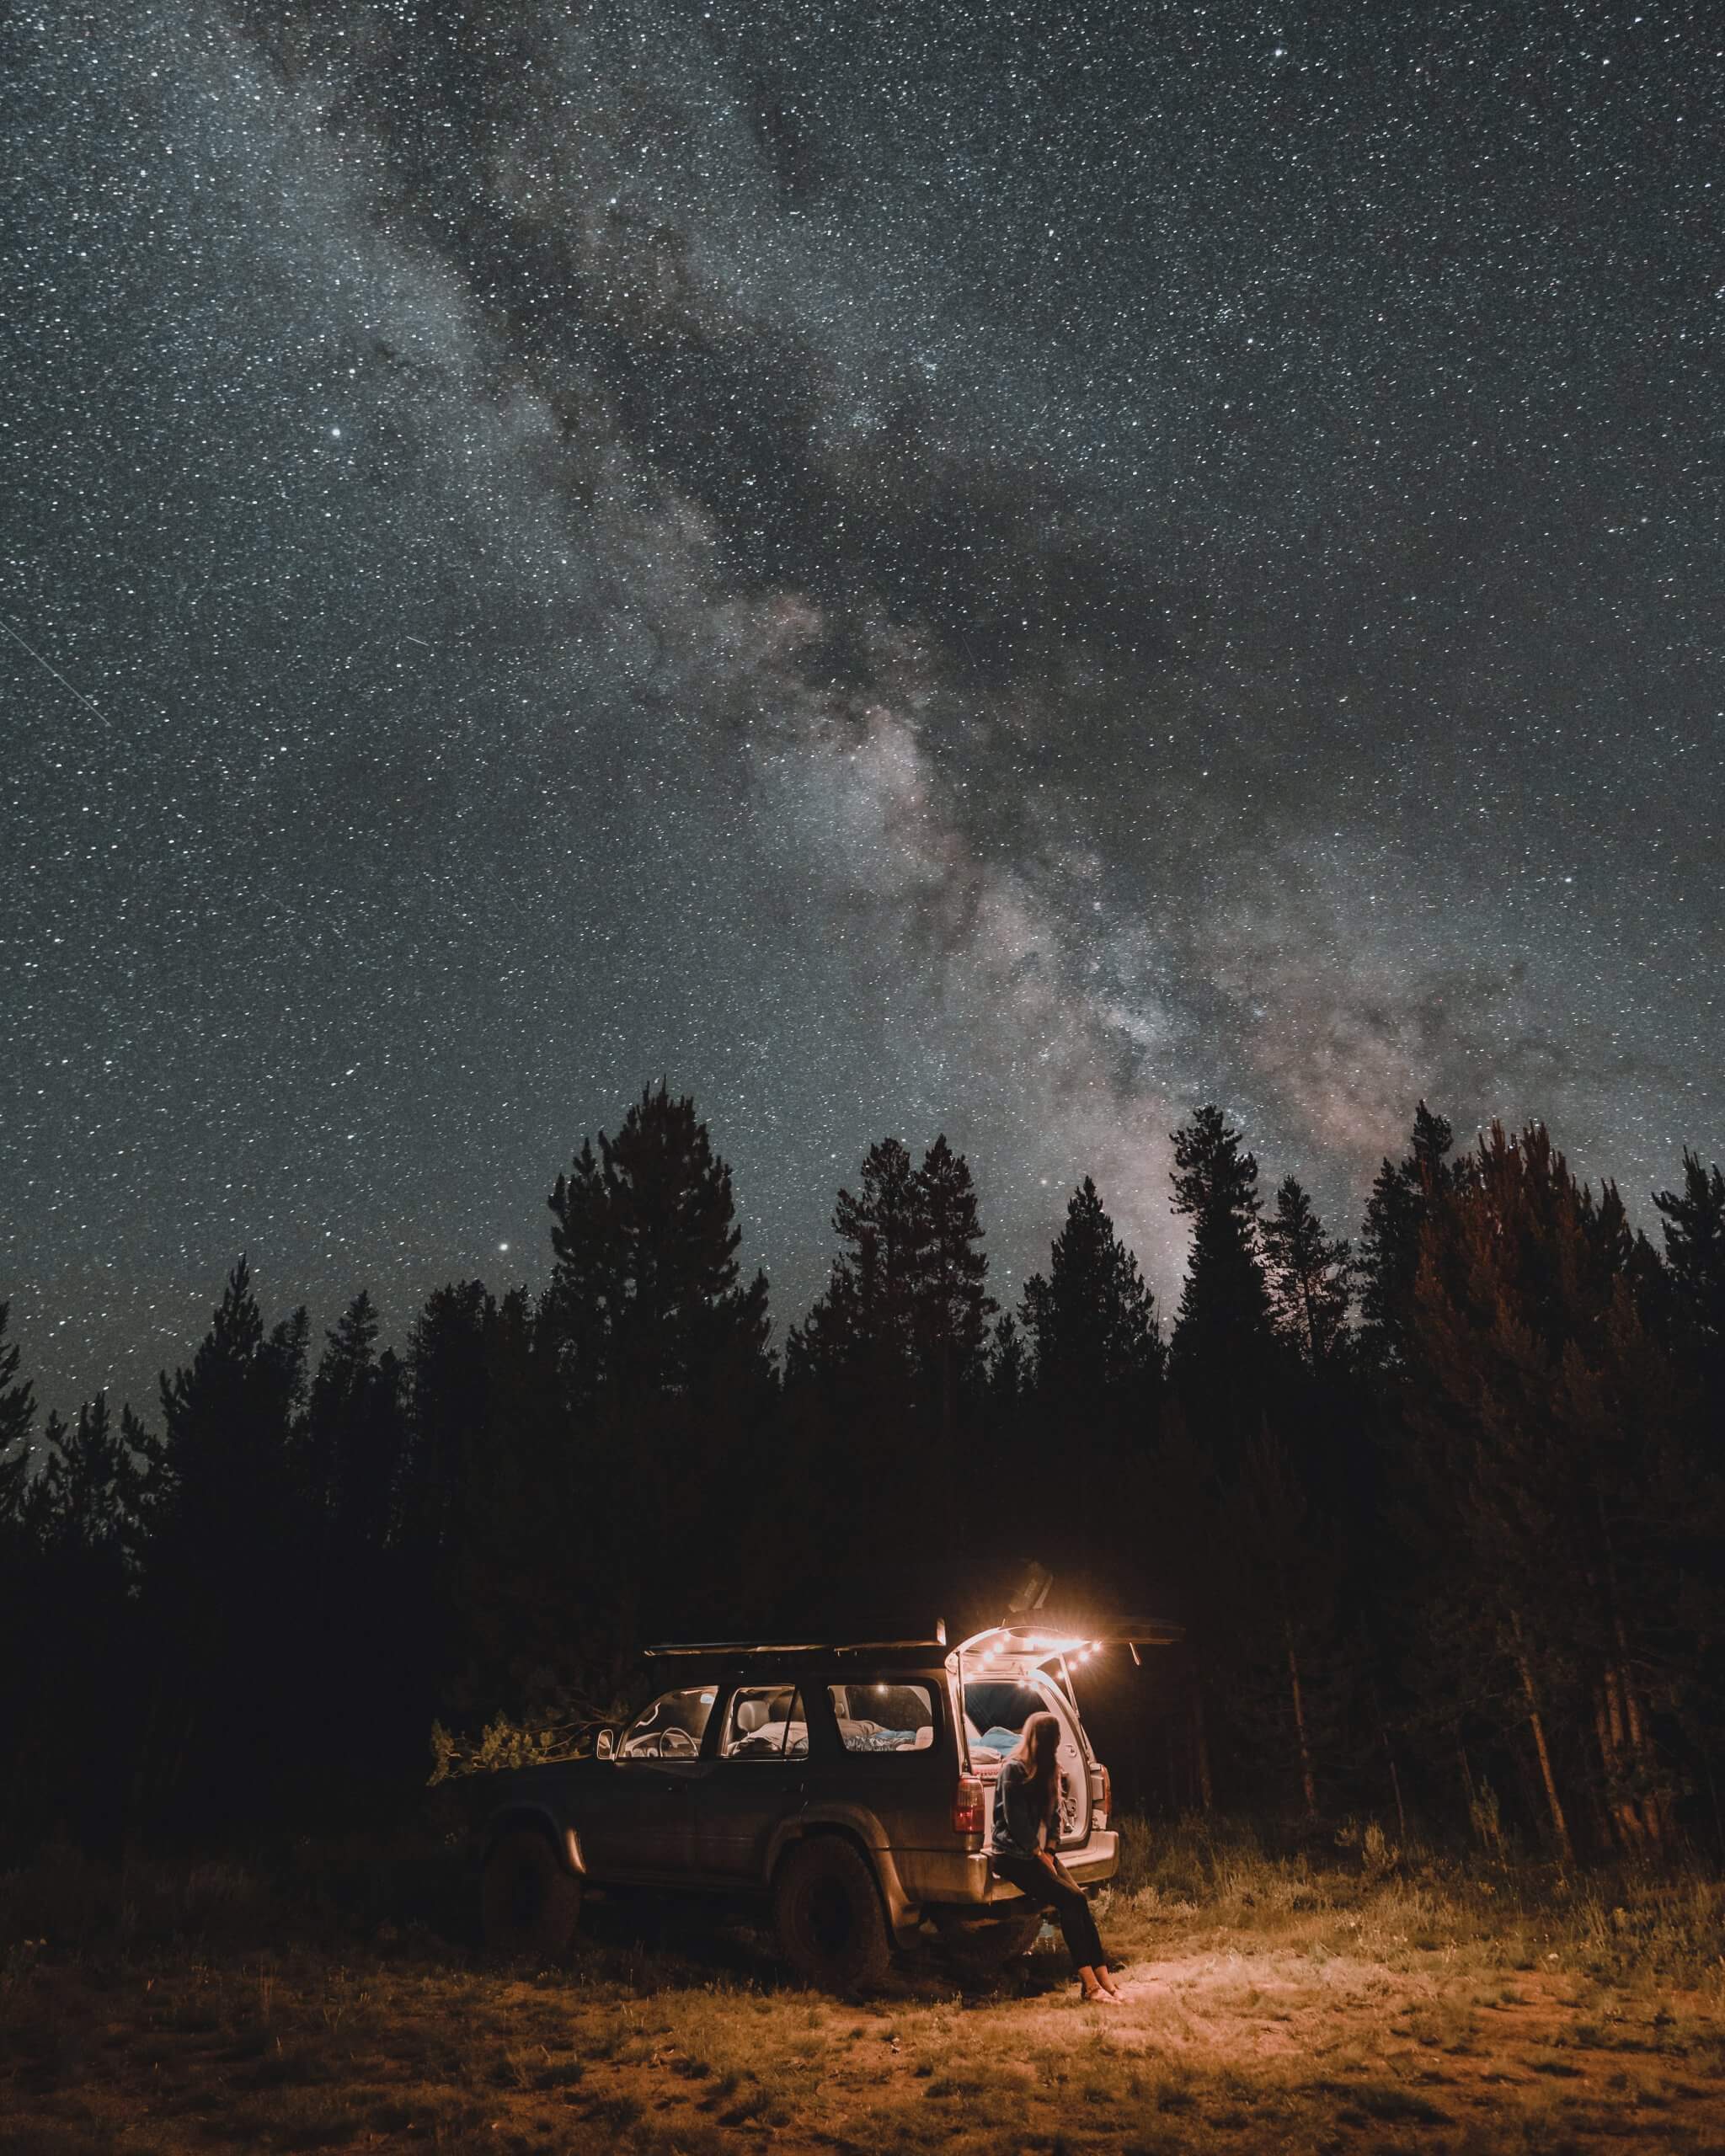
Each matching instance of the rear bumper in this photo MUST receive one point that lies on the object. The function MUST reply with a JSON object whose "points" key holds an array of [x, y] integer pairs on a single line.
{"points": [[964, 1876]]}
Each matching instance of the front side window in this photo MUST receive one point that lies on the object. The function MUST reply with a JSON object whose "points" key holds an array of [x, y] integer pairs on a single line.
{"points": [[765, 1722], [670, 1728], [880, 1715]]}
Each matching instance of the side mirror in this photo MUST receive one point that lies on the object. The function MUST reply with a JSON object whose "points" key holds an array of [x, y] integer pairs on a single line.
{"points": [[604, 1744]]}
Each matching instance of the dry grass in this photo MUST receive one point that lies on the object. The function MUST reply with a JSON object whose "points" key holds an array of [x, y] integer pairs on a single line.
{"points": [[1290, 2005]]}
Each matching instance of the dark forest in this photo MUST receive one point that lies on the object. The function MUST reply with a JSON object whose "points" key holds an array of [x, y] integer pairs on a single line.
{"points": [[1438, 1505]]}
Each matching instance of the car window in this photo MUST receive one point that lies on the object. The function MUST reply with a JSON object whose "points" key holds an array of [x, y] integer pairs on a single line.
{"points": [[670, 1728], [880, 1716], [765, 1722], [997, 1711]]}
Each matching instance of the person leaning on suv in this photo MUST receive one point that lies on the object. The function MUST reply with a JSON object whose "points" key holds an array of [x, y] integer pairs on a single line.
{"points": [[1027, 1809]]}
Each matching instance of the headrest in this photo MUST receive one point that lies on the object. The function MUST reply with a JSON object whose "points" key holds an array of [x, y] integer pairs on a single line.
{"points": [[751, 1715]]}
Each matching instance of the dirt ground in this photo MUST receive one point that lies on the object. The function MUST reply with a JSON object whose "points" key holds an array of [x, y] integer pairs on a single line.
{"points": [[1278, 2011]]}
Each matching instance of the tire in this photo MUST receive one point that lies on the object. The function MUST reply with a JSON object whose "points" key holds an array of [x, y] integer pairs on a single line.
{"points": [[986, 1949], [831, 1925], [530, 1905]]}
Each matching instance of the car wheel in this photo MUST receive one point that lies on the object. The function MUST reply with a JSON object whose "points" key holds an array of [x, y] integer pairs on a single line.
{"points": [[530, 1905], [984, 1951], [831, 1922]]}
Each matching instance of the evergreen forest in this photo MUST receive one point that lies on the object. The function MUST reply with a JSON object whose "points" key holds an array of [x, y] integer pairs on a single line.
{"points": [[1438, 1504]]}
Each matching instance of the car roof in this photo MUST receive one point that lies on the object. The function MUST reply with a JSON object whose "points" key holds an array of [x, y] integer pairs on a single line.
{"points": [[740, 1654]]}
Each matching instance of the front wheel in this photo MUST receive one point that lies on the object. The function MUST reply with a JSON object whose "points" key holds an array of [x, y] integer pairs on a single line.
{"points": [[529, 1904], [831, 1922]]}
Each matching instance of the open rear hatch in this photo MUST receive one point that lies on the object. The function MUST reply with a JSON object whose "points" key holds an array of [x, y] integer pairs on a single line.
{"points": [[1012, 1670], [1013, 1650]]}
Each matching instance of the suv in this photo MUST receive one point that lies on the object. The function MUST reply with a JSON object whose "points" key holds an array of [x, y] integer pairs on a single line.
{"points": [[849, 1787]]}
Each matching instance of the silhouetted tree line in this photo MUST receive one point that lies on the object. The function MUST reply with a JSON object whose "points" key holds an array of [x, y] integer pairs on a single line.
{"points": [[1440, 1510]]}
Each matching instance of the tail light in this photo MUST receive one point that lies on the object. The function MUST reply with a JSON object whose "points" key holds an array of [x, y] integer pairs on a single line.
{"points": [[968, 1805], [1105, 1802]]}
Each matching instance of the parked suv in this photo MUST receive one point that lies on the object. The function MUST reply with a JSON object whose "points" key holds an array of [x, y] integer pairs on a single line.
{"points": [[848, 1785]]}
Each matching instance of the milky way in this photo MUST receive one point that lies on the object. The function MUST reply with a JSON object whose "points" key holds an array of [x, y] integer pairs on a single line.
{"points": [[990, 568]]}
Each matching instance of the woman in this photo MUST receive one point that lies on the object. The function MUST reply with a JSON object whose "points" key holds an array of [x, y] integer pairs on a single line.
{"points": [[1026, 1833]]}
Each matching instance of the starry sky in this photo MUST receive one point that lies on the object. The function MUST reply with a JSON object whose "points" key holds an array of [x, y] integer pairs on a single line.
{"points": [[950, 565]]}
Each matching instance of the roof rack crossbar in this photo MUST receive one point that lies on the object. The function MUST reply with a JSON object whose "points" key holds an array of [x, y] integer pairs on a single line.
{"points": [[788, 1647]]}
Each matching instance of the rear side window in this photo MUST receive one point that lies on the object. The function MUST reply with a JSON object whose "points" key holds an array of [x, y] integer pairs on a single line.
{"points": [[765, 1722], [880, 1715]]}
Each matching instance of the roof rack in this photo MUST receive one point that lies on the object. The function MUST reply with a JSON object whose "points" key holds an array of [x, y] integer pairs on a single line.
{"points": [[730, 1647]]}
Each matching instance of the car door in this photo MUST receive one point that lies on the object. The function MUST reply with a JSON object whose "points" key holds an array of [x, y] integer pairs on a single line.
{"points": [[755, 1780], [639, 1826]]}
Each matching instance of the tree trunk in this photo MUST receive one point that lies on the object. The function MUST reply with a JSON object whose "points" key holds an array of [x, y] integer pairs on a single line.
{"points": [[1651, 1804], [1559, 1825], [1621, 1808], [1655, 1810], [1307, 1783], [1200, 1746]]}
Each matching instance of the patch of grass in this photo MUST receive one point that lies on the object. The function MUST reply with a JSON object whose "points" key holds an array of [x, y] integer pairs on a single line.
{"points": [[616, 2113], [1388, 2102], [955, 2084], [1286, 1990], [755, 2103]]}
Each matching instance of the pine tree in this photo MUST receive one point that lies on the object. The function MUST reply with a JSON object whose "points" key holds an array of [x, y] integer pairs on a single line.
{"points": [[448, 1395], [92, 1483], [1555, 1494], [645, 1296], [1693, 1225], [1388, 1255], [1009, 1368], [663, 1383], [224, 1569], [1223, 1351], [1287, 1675], [865, 1325], [951, 1298], [1308, 1278], [352, 1448], [17, 1411], [1091, 1321], [904, 1315]]}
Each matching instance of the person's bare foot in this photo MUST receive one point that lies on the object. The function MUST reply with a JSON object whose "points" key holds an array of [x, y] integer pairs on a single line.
{"points": [[1096, 1994]]}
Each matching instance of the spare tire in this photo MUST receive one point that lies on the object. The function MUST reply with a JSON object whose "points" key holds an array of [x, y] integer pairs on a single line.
{"points": [[831, 1925], [529, 1904]]}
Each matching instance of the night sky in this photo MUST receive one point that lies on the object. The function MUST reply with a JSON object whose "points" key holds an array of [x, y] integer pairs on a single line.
{"points": [[991, 568]]}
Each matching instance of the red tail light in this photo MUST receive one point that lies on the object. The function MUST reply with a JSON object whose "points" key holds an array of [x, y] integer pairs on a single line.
{"points": [[968, 1799], [1106, 1803]]}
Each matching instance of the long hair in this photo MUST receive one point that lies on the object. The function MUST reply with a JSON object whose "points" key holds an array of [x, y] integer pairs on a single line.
{"points": [[1037, 1750]]}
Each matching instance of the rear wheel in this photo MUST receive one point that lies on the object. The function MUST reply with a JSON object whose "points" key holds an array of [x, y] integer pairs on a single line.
{"points": [[529, 1903], [831, 1922]]}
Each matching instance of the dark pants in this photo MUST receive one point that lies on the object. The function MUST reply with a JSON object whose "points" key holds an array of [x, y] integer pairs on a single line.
{"points": [[1054, 1890]]}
